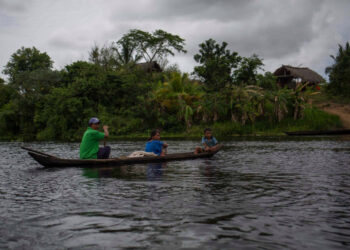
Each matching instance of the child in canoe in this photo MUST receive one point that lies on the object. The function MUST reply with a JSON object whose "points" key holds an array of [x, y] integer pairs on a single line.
{"points": [[155, 145], [209, 142]]}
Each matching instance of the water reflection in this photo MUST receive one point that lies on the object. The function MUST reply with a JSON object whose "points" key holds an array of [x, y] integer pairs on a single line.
{"points": [[155, 171], [150, 171], [124, 172], [208, 168]]}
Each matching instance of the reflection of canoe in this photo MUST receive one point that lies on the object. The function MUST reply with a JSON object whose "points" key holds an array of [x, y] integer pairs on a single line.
{"points": [[322, 132], [53, 161]]}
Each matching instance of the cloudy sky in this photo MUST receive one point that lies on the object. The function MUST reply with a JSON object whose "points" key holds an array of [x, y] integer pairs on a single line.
{"points": [[295, 32]]}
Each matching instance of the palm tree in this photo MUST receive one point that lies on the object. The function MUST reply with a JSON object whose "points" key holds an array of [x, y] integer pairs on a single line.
{"points": [[104, 57], [178, 96], [126, 53], [301, 95], [245, 103], [279, 100], [339, 72]]}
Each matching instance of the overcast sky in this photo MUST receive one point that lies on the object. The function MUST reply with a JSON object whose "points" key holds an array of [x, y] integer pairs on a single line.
{"points": [[295, 32]]}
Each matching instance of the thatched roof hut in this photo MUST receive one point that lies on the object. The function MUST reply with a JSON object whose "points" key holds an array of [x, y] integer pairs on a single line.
{"points": [[149, 67], [290, 76]]}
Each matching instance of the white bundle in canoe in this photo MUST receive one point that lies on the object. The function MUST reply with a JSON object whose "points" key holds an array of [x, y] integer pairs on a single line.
{"points": [[140, 154]]}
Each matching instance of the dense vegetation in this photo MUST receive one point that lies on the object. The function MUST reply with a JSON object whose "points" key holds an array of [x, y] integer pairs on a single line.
{"points": [[339, 72], [225, 91]]}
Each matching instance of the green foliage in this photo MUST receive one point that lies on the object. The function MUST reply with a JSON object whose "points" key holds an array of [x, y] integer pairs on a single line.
{"points": [[126, 49], [319, 120], [79, 70], [26, 60], [153, 46], [67, 109], [104, 57], [267, 81], [6, 93], [339, 72], [44, 104], [216, 64], [62, 113], [30, 79], [175, 100], [247, 72], [314, 119], [118, 55], [134, 46], [9, 119]]}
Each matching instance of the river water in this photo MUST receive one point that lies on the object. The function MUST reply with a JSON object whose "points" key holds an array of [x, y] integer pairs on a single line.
{"points": [[257, 193]]}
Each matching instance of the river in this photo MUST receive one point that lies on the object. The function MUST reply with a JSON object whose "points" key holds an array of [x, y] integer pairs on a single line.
{"points": [[257, 193]]}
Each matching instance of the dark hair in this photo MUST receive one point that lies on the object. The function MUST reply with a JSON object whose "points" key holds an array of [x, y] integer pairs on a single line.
{"points": [[207, 129], [153, 133]]}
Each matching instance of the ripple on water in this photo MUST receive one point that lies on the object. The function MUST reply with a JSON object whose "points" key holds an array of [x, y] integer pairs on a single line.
{"points": [[263, 193]]}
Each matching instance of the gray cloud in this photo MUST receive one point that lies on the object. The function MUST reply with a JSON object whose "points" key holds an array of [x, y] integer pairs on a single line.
{"points": [[281, 32], [222, 10], [14, 5]]}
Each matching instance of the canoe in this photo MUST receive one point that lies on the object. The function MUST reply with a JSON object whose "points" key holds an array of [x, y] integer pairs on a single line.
{"points": [[321, 132], [52, 161]]}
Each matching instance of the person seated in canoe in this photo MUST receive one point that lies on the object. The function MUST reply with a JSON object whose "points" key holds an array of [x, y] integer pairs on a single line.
{"points": [[209, 142], [155, 145], [89, 147]]}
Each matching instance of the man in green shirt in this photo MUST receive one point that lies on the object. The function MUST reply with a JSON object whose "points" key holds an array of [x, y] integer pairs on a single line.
{"points": [[89, 147]]}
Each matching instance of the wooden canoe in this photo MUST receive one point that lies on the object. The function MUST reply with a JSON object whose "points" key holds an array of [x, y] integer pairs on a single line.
{"points": [[320, 132], [53, 161]]}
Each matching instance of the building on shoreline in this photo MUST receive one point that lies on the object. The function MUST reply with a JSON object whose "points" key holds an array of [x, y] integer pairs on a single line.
{"points": [[149, 67], [290, 76]]}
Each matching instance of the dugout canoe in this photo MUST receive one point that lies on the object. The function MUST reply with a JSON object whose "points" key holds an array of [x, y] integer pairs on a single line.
{"points": [[320, 132], [52, 161]]}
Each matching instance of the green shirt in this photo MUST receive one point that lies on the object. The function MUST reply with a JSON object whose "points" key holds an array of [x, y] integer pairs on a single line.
{"points": [[90, 143]]}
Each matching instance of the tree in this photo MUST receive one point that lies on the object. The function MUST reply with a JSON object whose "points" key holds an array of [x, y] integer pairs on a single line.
{"points": [[174, 101], [19, 112], [6, 93], [26, 60], [126, 50], [65, 109], [31, 78], [217, 64], [154, 46], [267, 81], [339, 72], [104, 57], [247, 71]]}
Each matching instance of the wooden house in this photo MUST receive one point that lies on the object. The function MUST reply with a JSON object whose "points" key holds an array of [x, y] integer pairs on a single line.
{"points": [[290, 76]]}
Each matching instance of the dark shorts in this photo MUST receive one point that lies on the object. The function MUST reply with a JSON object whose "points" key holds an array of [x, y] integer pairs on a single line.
{"points": [[103, 153]]}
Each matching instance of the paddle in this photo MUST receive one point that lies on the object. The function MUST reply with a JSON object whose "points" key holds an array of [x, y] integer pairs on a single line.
{"points": [[105, 128]]}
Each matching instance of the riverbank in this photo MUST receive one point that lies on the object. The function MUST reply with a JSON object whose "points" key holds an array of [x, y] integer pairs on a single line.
{"points": [[314, 119], [334, 105], [341, 110]]}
